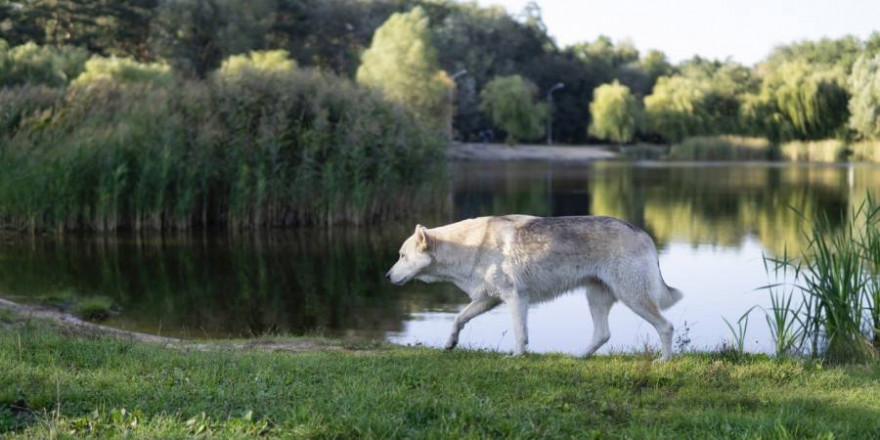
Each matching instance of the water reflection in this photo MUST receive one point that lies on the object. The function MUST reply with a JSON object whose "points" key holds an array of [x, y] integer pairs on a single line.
{"points": [[712, 224]]}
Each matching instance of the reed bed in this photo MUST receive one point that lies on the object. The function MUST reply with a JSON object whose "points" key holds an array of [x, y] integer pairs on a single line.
{"points": [[829, 150], [725, 147], [838, 315], [256, 150]]}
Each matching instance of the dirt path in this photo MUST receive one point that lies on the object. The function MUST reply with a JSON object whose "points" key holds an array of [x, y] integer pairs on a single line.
{"points": [[504, 153], [72, 325]]}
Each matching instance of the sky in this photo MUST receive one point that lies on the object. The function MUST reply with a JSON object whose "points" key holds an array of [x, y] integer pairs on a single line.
{"points": [[745, 30]]}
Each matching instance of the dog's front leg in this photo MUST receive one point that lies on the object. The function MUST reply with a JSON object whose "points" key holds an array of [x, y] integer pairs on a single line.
{"points": [[519, 310], [475, 308]]}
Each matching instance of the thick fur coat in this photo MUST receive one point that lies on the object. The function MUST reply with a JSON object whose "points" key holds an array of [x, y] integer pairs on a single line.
{"points": [[521, 260]]}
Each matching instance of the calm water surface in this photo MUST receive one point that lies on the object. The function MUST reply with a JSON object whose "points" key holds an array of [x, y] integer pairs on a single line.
{"points": [[712, 224]]}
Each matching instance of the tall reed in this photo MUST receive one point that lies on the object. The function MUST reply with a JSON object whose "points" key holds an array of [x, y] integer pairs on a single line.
{"points": [[837, 276], [257, 150]]}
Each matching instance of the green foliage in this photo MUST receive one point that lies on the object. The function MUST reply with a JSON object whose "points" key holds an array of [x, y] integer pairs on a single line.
{"points": [[864, 106], [256, 151], [19, 104], [258, 62], [402, 64], [123, 70], [194, 36], [510, 101], [615, 113], [95, 308], [835, 274], [33, 64], [704, 99], [810, 103]]}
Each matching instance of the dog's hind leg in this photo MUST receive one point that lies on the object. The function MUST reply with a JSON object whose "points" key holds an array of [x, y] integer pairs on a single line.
{"points": [[475, 308], [601, 300], [646, 307], [519, 311]]}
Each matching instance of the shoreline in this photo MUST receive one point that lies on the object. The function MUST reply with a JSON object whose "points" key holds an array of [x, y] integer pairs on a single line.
{"points": [[477, 152]]}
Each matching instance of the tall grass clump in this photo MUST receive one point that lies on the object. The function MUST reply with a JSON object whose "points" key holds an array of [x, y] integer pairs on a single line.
{"points": [[865, 151], [829, 150], [837, 275], [726, 147], [254, 150]]}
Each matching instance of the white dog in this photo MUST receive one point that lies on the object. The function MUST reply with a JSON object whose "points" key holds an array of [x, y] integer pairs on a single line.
{"points": [[520, 260]]}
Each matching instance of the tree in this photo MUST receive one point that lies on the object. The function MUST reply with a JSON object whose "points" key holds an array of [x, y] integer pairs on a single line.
{"points": [[864, 106], [193, 36], [811, 101], [615, 113], [510, 102], [402, 63]]}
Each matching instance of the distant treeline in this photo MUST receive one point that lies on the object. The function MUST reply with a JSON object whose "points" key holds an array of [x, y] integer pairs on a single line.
{"points": [[803, 91]]}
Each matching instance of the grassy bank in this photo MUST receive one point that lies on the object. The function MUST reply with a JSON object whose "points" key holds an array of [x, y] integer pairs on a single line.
{"points": [[111, 389]]}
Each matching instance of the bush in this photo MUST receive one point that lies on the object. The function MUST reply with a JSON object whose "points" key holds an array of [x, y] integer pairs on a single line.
{"points": [[723, 148], [257, 62], [34, 64], [258, 151], [95, 308], [123, 70], [829, 150]]}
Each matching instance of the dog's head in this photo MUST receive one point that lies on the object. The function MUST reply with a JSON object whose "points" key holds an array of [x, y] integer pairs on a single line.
{"points": [[415, 257]]}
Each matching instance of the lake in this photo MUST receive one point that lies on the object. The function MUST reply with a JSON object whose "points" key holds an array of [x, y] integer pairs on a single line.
{"points": [[713, 224]]}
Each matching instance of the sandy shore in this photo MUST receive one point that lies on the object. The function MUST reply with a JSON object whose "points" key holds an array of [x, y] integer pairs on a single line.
{"points": [[502, 152]]}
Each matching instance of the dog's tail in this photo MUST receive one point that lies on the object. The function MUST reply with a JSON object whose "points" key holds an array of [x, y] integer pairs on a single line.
{"points": [[671, 297]]}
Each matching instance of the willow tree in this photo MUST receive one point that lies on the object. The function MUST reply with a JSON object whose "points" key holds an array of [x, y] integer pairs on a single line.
{"points": [[811, 103], [864, 106], [401, 62], [615, 113], [510, 102]]}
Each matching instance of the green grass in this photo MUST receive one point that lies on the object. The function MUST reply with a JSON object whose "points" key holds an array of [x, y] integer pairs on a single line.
{"points": [[113, 389], [93, 307]]}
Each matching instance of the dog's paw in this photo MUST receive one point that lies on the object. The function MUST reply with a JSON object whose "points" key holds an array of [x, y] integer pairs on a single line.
{"points": [[661, 360], [450, 345]]}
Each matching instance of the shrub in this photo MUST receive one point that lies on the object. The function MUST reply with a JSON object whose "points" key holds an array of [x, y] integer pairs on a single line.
{"points": [[34, 64], [722, 148], [257, 62], [123, 70], [96, 308]]}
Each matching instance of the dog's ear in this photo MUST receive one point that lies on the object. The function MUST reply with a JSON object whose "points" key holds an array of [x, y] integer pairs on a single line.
{"points": [[423, 240]]}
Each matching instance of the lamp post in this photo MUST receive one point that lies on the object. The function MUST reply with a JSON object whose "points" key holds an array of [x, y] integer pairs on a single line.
{"points": [[556, 87], [452, 99]]}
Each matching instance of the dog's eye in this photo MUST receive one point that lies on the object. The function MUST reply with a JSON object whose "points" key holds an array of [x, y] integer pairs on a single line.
{"points": [[402, 256]]}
